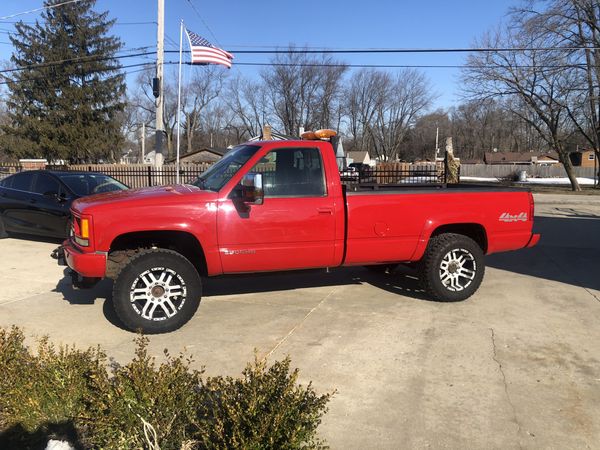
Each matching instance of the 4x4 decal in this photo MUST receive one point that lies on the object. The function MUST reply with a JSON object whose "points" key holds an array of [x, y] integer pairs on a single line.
{"points": [[506, 217]]}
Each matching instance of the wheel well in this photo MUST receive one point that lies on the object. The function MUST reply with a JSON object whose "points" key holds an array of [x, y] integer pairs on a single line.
{"points": [[180, 241], [474, 231]]}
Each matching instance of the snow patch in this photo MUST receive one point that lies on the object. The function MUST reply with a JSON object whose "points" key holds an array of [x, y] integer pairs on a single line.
{"points": [[552, 181]]}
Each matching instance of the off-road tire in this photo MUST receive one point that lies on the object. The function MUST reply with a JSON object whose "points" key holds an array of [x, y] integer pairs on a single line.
{"points": [[431, 269], [184, 279]]}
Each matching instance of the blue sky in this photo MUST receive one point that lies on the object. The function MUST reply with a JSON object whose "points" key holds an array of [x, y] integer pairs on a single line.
{"points": [[238, 24]]}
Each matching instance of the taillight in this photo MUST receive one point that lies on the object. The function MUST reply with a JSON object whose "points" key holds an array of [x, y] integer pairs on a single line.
{"points": [[531, 207]]}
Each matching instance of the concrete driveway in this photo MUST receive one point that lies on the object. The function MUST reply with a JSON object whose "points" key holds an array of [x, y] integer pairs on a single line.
{"points": [[515, 366]]}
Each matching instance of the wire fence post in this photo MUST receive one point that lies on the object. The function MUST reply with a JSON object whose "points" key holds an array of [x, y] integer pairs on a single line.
{"points": [[149, 175]]}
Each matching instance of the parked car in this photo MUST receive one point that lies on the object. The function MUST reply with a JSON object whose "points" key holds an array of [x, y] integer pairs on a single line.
{"points": [[361, 167], [39, 201], [157, 243], [364, 172]]}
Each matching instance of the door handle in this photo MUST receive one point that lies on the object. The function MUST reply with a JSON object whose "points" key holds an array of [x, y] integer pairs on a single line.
{"points": [[328, 211], [32, 200]]}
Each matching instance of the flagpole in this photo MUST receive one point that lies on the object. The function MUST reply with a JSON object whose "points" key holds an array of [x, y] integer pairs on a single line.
{"points": [[179, 100]]}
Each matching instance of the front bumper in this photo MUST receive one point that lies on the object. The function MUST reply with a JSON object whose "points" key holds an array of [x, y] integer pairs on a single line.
{"points": [[88, 265]]}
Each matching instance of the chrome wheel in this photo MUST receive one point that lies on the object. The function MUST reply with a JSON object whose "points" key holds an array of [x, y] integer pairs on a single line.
{"points": [[158, 294], [457, 269]]}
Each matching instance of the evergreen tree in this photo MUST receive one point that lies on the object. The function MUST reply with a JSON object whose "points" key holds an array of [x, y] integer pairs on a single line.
{"points": [[65, 100]]}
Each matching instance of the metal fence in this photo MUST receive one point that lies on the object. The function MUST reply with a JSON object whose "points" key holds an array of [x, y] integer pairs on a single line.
{"points": [[397, 174], [9, 169], [142, 175]]}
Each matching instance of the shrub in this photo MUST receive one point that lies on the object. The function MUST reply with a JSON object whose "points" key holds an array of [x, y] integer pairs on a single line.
{"points": [[68, 393], [265, 409]]}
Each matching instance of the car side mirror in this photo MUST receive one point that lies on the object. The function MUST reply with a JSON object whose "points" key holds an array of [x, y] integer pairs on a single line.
{"points": [[60, 198], [252, 192]]}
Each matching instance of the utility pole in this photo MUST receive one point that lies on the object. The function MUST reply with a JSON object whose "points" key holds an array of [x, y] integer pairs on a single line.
{"points": [[437, 135], [158, 85], [143, 141]]}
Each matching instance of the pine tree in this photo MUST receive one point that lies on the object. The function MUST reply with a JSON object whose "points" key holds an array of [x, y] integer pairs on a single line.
{"points": [[65, 101]]}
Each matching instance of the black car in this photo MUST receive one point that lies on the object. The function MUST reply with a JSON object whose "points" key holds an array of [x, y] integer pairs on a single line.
{"points": [[39, 201]]}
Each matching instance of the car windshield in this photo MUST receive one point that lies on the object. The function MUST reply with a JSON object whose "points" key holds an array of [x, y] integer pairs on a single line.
{"points": [[221, 172], [91, 183]]}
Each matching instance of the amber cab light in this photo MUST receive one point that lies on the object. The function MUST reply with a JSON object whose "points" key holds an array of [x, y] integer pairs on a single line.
{"points": [[325, 134], [309, 135]]}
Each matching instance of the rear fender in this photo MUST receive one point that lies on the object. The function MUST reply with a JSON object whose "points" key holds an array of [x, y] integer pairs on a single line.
{"points": [[432, 225]]}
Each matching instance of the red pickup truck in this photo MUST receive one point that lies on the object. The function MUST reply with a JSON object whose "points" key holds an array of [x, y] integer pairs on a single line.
{"points": [[280, 205]]}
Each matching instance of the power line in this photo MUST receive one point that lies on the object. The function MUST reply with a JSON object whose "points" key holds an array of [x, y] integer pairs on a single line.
{"points": [[406, 50], [205, 24], [91, 58], [143, 65], [39, 9], [391, 66], [118, 22], [136, 23]]}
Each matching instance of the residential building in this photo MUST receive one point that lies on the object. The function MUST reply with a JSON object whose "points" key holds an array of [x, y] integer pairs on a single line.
{"points": [[583, 158]]}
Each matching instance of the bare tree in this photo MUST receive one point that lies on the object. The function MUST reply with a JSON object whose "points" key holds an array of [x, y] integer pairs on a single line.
{"points": [[302, 90], [529, 81], [204, 87], [248, 101], [573, 25], [382, 109]]}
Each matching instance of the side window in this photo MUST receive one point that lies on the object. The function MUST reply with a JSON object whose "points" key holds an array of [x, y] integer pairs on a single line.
{"points": [[45, 184], [292, 172], [22, 181]]}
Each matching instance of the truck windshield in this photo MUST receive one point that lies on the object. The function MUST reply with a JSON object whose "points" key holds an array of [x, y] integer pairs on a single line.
{"points": [[221, 172]]}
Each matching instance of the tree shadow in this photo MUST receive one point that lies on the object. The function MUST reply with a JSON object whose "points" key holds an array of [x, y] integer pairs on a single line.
{"points": [[18, 438], [400, 281], [102, 290], [567, 252]]}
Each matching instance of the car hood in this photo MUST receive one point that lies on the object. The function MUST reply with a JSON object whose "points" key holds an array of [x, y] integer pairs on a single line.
{"points": [[151, 196]]}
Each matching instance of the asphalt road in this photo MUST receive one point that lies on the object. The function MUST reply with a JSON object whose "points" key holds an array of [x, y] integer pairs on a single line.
{"points": [[515, 366]]}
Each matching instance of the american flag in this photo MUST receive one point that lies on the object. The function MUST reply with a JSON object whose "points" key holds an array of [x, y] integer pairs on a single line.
{"points": [[203, 52]]}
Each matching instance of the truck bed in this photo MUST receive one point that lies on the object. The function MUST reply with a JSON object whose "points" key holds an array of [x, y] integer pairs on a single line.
{"points": [[397, 225]]}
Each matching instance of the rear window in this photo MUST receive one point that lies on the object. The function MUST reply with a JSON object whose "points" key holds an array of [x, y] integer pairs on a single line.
{"points": [[87, 184]]}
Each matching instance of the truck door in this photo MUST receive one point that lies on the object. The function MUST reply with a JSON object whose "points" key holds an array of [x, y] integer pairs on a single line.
{"points": [[295, 226]]}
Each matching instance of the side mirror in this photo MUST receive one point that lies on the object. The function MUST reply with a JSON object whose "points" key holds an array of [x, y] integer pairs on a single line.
{"points": [[252, 192], [53, 196]]}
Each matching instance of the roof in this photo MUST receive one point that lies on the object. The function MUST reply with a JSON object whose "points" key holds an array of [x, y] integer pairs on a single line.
{"points": [[516, 157], [358, 155], [219, 151], [584, 150]]}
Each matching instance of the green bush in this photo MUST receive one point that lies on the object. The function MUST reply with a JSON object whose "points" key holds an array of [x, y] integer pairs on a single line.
{"points": [[68, 393]]}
